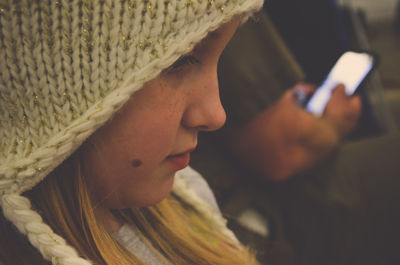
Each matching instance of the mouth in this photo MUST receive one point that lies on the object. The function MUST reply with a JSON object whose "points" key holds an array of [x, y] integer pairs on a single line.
{"points": [[181, 160]]}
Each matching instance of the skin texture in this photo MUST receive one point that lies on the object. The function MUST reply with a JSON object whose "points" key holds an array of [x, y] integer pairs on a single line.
{"points": [[285, 139], [127, 161]]}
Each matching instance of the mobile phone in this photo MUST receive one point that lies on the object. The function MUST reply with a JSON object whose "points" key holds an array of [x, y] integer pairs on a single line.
{"points": [[351, 69]]}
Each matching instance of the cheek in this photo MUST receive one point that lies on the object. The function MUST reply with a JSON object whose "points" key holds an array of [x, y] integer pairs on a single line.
{"points": [[125, 166], [117, 181], [148, 135], [152, 139]]}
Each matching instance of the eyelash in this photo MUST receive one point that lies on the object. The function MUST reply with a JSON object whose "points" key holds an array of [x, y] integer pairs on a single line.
{"points": [[184, 60]]}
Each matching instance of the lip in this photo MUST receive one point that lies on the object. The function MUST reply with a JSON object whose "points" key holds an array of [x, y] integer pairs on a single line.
{"points": [[181, 160]]}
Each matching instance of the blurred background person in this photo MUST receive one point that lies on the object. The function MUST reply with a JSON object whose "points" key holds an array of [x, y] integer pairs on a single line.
{"points": [[329, 210]]}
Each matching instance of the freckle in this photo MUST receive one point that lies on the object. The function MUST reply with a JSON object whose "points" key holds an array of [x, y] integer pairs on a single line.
{"points": [[137, 163]]}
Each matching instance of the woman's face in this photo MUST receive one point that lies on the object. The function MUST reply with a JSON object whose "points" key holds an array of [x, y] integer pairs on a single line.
{"points": [[131, 161]]}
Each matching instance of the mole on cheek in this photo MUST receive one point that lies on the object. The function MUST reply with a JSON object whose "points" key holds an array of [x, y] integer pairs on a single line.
{"points": [[137, 163]]}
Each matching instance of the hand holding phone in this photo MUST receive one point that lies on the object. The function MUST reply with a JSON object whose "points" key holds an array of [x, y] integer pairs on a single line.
{"points": [[351, 69]]}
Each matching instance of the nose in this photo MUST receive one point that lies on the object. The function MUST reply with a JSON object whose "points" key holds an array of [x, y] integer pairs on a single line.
{"points": [[205, 113]]}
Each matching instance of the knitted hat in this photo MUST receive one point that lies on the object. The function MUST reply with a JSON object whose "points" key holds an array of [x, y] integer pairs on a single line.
{"points": [[66, 67]]}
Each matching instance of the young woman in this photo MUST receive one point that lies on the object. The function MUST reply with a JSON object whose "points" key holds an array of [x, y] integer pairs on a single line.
{"points": [[101, 103]]}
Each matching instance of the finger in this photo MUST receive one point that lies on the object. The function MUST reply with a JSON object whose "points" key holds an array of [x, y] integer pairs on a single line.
{"points": [[355, 104], [339, 90], [301, 92], [306, 88]]}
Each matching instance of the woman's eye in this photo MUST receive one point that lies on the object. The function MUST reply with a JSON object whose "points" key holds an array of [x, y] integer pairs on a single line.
{"points": [[184, 60]]}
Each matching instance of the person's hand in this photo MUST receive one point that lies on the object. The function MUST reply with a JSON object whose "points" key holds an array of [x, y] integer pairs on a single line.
{"points": [[285, 139], [342, 111]]}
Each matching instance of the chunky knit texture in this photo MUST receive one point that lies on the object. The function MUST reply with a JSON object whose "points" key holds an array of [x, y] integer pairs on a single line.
{"points": [[66, 67]]}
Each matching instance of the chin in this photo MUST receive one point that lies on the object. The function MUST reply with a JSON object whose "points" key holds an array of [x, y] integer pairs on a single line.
{"points": [[159, 195], [156, 200], [146, 197]]}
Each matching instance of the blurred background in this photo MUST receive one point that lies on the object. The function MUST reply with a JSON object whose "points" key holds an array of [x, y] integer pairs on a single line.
{"points": [[323, 215], [382, 21], [383, 30], [377, 11], [317, 32]]}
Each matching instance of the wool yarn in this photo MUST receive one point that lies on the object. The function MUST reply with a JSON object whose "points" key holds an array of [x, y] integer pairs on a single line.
{"points": [[183, 191], [66, 66]]}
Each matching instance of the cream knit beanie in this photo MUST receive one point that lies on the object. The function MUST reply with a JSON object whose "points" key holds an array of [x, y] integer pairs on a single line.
{"points": [[65, 67]]}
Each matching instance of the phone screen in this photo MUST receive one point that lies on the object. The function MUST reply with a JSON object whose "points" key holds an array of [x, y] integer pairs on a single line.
{"points": [[350, 70]]}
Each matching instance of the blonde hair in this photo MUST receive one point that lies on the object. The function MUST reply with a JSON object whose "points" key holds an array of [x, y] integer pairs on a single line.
{"points": [[173, 227]]}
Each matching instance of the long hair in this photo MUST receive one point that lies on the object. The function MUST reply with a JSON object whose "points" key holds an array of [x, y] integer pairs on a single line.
{"points": [[171, 228]]}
